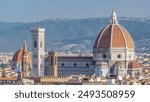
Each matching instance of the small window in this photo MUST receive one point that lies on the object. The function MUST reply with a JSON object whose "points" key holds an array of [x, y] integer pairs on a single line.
{"points": [[34, 56], [35, 44], [104, 55], [51, 60], [34, 66], [129, 56], [75, 64], [62, 64], [87, 64], [14, 64], [118, 56], [111, 71]]}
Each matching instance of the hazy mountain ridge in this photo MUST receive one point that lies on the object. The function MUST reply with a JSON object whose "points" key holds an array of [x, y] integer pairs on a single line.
{"points": [[80, 33]]}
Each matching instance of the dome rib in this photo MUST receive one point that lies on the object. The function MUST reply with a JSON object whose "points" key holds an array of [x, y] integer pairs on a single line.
{"points": [[117, 37], [123, 36], [131, 43], [111, 36], [96, 45]]}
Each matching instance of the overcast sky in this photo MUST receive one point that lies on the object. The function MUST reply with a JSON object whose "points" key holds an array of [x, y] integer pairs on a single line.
{"points": [[30, 10]]}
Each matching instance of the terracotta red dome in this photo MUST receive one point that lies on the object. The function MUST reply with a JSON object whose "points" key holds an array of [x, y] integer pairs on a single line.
{"points": [[134, 65], [114, 36], [20, 53], [18, 56]]}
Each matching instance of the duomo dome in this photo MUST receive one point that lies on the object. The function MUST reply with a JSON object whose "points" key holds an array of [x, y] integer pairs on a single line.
{"points": [[114, 36], [113, 51]]}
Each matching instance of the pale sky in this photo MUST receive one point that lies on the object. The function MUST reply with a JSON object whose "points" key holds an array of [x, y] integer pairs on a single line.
{"points": [[30, 10]]}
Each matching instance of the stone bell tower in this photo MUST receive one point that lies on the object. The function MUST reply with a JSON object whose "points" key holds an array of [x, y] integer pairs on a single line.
{"points": [[37, 40]]}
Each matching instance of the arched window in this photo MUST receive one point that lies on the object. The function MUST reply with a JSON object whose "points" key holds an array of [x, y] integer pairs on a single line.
{"points": [[62, 64], [51, 60], [119, 56], [111, 71], [104, 55], [75, 64], [35, 44], [14, 64], [87, 65], [129, 56]]}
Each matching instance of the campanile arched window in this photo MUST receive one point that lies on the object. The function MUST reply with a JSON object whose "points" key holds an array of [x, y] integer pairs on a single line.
{"points": [[35, 44], [104, 56]]}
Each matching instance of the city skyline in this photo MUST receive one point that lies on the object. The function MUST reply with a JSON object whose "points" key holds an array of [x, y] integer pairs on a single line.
{"points": [[113, 61], [30, 10]]}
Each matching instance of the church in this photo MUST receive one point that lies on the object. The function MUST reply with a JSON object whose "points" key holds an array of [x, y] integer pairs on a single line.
{"points": [[113, 55], [21, 61], [114, 51]]}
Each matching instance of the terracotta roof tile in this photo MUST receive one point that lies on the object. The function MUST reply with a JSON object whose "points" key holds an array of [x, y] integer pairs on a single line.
{"points": [[8, 79], [134, 64], [18, 55], [114, 36]]}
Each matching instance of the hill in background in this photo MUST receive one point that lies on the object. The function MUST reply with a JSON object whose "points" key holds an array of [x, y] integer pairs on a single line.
{"points": [[70, 34]]}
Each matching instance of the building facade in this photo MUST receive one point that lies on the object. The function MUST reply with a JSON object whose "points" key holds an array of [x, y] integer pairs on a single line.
{"points": [[57, 65], [113, 50], [22, 62], [113, 55], [37, 41], [53, 63], [75, 65]]}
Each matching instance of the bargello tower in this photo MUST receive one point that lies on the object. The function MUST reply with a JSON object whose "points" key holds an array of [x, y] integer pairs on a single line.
{"points": [[37, 41]]}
